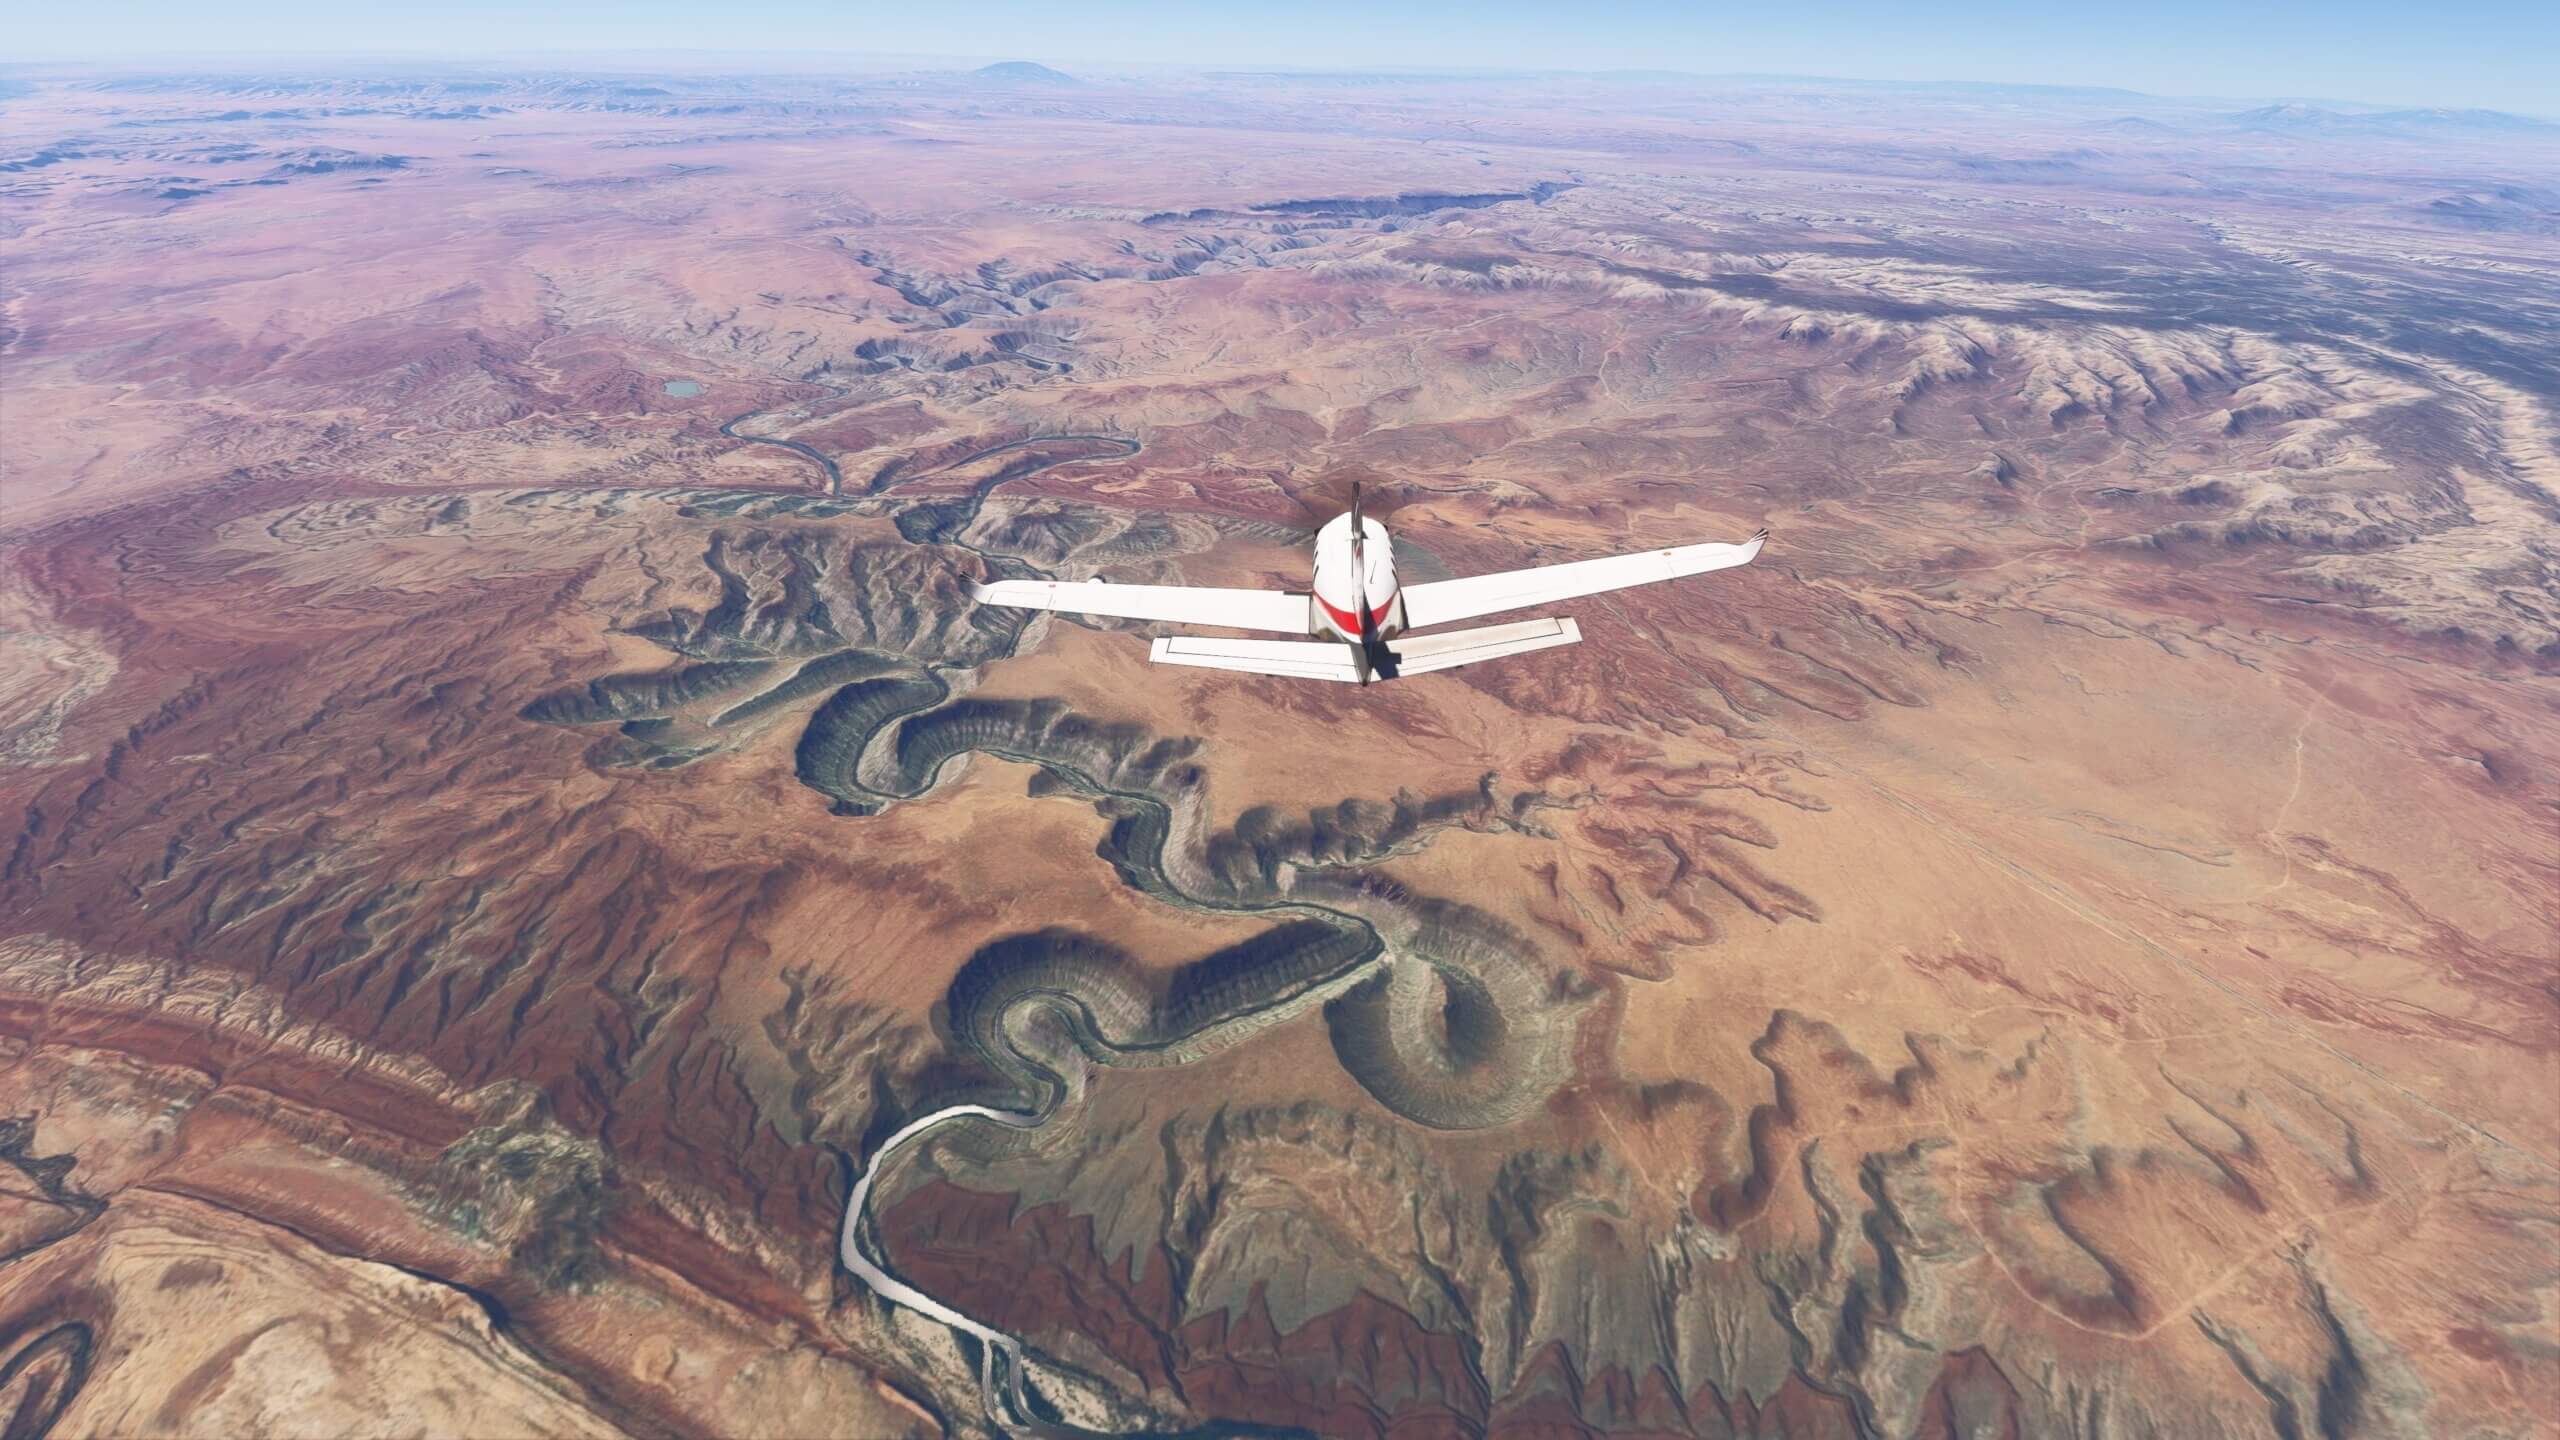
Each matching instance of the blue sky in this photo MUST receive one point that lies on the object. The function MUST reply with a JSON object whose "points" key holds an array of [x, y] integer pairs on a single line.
{"points": [[2498, 53]]}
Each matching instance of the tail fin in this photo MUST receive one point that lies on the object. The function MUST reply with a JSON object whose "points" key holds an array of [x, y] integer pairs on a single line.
{"points": [[1360, 566]]}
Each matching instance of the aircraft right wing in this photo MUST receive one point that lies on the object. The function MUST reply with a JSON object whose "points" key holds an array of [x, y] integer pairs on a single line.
{"points": [[1436, 602], [1187, 604]]}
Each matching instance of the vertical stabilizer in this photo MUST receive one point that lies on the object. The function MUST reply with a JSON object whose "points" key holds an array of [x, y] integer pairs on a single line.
{"points": [[1375, 659], [1359, 557]]}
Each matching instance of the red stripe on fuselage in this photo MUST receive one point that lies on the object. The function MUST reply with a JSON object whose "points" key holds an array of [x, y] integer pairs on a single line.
{"points": [[1350, 622]]}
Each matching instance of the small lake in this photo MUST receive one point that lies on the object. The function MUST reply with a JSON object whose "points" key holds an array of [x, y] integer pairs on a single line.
{"points": [[684, 389]]}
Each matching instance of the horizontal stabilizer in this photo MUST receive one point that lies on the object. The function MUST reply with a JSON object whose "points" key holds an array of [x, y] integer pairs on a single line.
{"points": [[1299, 659], [1422, 654], [1335, 660]]}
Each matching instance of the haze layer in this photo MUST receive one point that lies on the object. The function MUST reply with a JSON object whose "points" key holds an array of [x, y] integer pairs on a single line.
{"points": [[510, 799]]}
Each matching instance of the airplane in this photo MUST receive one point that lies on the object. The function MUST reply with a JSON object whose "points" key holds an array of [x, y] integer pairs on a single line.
{"points": [[1363, 614]]}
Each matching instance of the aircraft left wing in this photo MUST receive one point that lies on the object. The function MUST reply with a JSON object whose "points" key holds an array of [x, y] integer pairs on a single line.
{"points": [[1186, 604], [1437, 602]]}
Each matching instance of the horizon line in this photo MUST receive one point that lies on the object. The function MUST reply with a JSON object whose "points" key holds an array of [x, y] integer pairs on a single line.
{"points": [[811, 61]]}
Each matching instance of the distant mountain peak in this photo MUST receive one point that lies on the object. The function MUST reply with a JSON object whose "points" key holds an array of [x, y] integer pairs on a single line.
{"points": [[2294, 115], [2287, 110], [1024, 72]]}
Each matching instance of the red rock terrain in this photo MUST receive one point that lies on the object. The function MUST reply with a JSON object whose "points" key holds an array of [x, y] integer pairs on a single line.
{"points": [[2063, 945]]}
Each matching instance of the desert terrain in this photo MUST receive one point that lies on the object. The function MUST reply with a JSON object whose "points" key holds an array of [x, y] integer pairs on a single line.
{"points": [[510, 803]]}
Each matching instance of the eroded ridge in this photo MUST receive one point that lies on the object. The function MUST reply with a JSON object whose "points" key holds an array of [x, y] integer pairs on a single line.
{"points": [[1463, 1028]]}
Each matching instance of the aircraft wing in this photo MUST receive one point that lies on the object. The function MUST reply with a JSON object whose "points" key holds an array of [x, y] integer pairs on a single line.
{"points": [[1187, 604], [1436, 602]]}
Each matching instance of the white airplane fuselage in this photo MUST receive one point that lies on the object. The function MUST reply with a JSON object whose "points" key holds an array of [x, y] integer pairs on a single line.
{"points": [[1356, 594]]}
